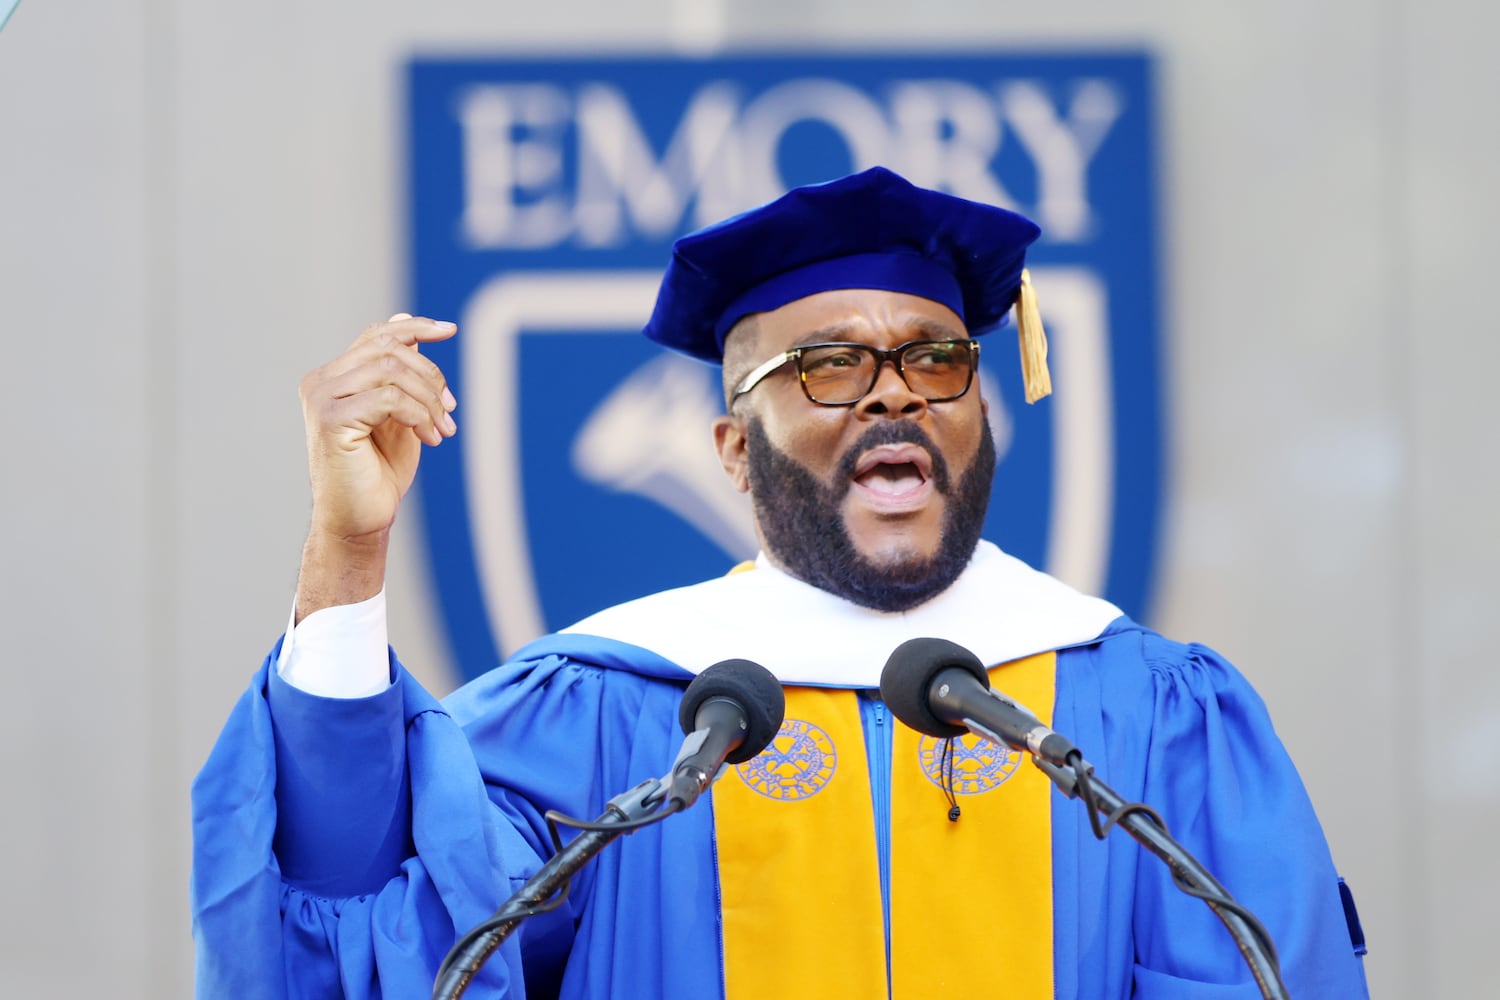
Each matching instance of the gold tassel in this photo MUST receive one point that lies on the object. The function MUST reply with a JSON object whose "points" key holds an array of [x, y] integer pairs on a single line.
{"points": [[1033, 342]]}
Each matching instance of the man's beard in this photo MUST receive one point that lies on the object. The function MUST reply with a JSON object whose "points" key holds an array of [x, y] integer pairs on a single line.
{"points": [[802, 521]]}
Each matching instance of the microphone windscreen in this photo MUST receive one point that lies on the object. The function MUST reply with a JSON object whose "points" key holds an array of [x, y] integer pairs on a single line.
{"points": [[906, 681], [750, 686]]}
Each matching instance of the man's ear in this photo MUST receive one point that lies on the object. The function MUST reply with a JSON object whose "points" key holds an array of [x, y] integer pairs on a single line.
{"points": [[730, 443]]}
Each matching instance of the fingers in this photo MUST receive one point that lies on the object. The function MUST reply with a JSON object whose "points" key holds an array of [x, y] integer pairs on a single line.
{"points": [[383, 377], [401, 330], [410, 330], [389, 386], [384, 360], [364, 412]]}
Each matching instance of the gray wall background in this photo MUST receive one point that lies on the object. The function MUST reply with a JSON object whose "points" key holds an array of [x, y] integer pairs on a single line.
{"points": [[199, 202]]}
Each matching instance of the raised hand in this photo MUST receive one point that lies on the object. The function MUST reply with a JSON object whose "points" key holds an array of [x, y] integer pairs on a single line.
{"points": [[367, 414]]}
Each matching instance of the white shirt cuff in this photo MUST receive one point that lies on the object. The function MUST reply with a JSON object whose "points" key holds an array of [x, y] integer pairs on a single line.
{"points": [[338, 652]]}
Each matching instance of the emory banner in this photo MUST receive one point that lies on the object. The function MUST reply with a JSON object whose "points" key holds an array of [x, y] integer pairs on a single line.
{"points": [[544, 198]]}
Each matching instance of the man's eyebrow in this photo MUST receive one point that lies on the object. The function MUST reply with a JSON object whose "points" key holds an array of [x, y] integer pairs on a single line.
{"points": [[826, 334], [925, 327], [932, 329]]}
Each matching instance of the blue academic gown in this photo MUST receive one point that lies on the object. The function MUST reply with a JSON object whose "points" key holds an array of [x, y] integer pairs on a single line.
{"points": [[340, 845]]}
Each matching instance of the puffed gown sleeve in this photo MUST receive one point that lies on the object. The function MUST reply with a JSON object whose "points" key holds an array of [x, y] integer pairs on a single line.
{"points": [[1177, 727], [342, 844], [318, 872]]}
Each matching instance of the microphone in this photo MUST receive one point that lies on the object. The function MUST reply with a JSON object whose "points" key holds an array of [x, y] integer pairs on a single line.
{"points": [[939, 688], [729, 713]]}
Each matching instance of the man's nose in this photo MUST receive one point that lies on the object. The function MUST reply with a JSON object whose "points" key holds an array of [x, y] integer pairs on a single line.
{"points": [[890, 394]]}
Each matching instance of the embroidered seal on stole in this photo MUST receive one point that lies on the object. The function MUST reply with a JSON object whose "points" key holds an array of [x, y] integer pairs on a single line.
{"points": [[978, 765], [797, 763]]}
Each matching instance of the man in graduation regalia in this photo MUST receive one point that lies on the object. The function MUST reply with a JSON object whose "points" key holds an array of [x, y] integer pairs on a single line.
{"points": [[348, 826]]}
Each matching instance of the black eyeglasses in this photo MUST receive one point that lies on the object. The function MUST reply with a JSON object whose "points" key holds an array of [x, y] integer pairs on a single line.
{"points": [[842, 374]]}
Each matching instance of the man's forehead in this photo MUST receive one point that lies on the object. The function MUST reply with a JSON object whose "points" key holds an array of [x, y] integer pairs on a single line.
{"points": [[857, 314]]}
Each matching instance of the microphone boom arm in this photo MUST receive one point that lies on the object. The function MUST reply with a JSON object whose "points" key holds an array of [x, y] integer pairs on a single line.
{"points": [[1076, 781], [729, 712], [624, 813], [940, 688]]}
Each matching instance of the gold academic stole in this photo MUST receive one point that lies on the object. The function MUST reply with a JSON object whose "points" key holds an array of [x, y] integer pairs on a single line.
{"points": [[970, 901]]}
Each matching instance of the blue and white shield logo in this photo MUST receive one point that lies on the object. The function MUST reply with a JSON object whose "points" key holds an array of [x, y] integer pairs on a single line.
{"points": [[545, 199]]}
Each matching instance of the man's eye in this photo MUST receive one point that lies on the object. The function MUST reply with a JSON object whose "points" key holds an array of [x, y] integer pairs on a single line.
{"points": [[830, 362], [933, 355]]}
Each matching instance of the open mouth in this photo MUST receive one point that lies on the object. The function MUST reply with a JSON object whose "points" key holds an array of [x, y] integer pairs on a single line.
{"points": [[894, 476]]}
